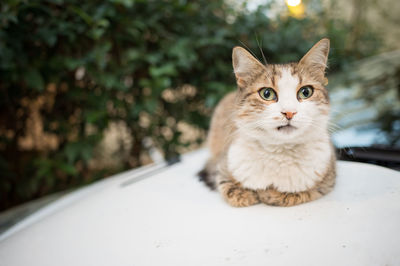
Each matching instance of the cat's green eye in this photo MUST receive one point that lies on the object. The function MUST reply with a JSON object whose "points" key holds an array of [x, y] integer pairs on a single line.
{"points": [[305, 92], [267, 94]]}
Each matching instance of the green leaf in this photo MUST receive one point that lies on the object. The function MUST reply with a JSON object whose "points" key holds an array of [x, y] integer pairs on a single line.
{"points": [[164, 70], [67, 168], [94, 116], [71, 151], [85, 16], [34, 79]]}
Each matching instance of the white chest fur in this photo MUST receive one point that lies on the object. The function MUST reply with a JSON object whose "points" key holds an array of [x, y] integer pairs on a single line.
{"points": [[288, 168]]}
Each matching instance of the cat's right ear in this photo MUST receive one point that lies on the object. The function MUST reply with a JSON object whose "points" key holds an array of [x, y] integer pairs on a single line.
{"points": [[245, 66], [315, 60]]}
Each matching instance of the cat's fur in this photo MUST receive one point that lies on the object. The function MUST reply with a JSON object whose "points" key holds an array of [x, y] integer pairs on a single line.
{"points": [[255, 160]]}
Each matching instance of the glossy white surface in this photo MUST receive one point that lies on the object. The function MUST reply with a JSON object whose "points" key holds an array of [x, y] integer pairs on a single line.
{"points": [[169, 218]]}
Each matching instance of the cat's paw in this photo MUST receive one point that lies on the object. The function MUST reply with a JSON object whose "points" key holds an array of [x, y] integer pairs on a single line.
{"points": [[286, 199], [237, 196]]}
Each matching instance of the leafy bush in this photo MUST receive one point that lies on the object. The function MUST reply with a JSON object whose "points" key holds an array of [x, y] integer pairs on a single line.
{"points": [[68, 68]]}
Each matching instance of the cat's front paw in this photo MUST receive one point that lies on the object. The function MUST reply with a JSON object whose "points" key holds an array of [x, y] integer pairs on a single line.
{"points": [[274, 197], [236, 195]]}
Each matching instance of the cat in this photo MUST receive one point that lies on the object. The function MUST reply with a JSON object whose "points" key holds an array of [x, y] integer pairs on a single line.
{"points": [[269, 141]]}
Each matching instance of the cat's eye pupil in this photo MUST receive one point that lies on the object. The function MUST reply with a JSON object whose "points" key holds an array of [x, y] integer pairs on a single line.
{"points": [[306, 92], [267, 94]]}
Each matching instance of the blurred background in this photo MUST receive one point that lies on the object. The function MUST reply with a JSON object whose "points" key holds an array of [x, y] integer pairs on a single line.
{"points": [[92, 88]]}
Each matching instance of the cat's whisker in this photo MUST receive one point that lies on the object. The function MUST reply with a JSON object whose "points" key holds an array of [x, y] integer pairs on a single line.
{"points": [[262, 52], [329, 129], [334, 110], [250, 50], [334, 125]]}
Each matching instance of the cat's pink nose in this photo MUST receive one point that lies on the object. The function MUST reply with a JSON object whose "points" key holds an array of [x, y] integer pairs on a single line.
{"points": [[289, 115]]}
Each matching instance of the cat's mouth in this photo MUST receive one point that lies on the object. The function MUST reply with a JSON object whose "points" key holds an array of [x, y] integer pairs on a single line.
{"points": [[286, 128]]}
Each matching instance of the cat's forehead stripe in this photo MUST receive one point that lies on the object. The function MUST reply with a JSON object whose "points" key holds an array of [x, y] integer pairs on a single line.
{"points": [[293, 68], [287, 80], [295, 71], [273, 76], [277, 71]]}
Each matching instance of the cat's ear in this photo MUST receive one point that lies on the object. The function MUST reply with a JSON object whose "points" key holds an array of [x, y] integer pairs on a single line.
{"points": [[315, 61], [245, 66]]}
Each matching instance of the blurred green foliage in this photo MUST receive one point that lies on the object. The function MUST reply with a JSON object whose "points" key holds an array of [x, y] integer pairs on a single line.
{"points": [[85, 64]]}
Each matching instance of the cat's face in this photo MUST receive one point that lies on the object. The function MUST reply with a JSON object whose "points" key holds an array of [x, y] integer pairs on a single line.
{"points": [[282, 103]]}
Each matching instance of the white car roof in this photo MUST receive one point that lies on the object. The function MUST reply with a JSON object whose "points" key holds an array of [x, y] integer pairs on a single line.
{"points": [[162, 215]]}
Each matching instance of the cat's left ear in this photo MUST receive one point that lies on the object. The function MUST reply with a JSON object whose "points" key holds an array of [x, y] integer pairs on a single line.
{"points": [[315, 61]]}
